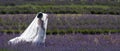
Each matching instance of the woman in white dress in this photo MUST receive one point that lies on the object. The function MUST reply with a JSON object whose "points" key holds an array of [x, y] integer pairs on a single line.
{"points": [[35, 32]]}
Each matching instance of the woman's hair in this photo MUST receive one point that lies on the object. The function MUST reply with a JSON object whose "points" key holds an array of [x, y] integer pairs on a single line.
{"points": [[40, 15]]}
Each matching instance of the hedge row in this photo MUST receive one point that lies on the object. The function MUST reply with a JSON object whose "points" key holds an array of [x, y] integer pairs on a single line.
{"points": [[76, 9], [60, 2], [86, 31]]}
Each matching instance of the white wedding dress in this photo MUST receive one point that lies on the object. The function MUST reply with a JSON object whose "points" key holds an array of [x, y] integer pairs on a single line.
{"points": [[34, 32]]}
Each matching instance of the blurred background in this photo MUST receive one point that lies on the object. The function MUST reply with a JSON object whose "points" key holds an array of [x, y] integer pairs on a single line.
{"points": [[65, 16], [73, 25], [60, 6]]}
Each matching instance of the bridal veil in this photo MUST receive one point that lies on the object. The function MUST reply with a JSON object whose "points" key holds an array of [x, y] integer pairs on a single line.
{"points": [[34, 32]]}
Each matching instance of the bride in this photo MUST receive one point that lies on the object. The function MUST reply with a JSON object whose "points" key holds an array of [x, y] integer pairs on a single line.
{"points": [[35, 32]]}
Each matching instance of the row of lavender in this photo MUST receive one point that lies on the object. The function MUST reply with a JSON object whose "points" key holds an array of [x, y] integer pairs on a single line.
{"points": [[63, 23], [68, 42]]}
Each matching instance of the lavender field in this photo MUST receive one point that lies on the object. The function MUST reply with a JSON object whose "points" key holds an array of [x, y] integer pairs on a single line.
{"points": [[63, 23], [66, 32], [76, 42]]}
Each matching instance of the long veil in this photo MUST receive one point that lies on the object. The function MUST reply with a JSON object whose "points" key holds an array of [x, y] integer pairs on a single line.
{"points": [[32, 31]]}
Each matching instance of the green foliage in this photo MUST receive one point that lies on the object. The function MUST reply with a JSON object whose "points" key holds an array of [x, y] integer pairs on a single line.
{"points": [[3, 49], [81, 9], [60, 2], [83, 31]]}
